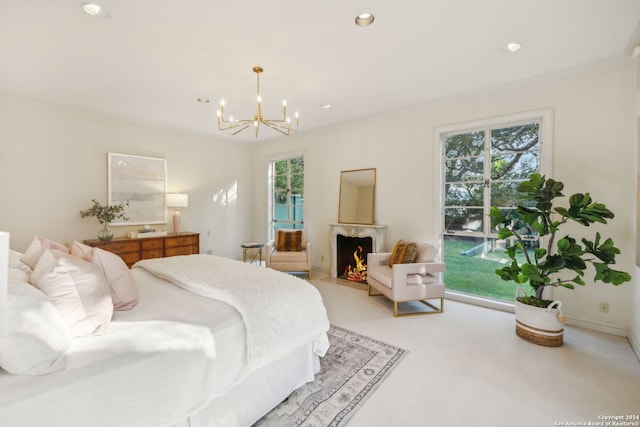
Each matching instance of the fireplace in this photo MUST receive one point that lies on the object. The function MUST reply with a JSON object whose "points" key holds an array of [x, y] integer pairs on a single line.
{"points": [[351, 257], [369, 237]]}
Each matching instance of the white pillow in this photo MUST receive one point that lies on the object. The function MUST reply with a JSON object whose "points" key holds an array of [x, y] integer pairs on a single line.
{"points": [[124, 291], [37, 246], [16, 263], [78, 289], [35, 337]]}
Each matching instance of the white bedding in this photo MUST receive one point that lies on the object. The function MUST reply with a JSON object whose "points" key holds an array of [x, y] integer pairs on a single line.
{"points": [[280, 312], [175, 359]]}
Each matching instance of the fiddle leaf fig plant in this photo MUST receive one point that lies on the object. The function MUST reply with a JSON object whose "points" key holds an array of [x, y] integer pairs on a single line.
{"points": [[561, 261]]}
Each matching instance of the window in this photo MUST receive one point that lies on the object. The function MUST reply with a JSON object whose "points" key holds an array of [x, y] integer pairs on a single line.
{"points": [[482, 167], [287, 193]]}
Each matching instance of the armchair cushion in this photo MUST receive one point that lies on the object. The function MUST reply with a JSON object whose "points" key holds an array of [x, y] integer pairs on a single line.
{"points": [[289, 240], [404, 252]]}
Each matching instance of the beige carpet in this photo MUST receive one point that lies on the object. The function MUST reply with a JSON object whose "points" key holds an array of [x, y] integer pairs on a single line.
{"points": [[465, 368]]}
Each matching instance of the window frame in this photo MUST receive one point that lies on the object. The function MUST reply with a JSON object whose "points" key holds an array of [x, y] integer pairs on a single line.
{"points": [[271, 192], [545, 119]]}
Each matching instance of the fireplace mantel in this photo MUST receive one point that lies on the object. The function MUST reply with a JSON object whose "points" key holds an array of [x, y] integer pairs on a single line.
{"points": [[375, 231]]}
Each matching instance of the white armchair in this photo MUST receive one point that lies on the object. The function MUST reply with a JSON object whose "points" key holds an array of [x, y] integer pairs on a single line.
{"points": [[289, 252], [420, 280]]}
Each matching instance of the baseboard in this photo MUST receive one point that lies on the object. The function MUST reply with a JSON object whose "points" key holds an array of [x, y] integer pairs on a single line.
{"points": [[635, 344], [594, 325]]}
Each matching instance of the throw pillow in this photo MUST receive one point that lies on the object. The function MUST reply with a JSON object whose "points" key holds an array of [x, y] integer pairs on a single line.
{"points": [[124, 292], [35, 336], [78, 289], [289, 240], [404, 252]]}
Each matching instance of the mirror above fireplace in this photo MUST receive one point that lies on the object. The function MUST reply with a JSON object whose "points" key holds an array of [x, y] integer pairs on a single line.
{"points": [[357, 196]]}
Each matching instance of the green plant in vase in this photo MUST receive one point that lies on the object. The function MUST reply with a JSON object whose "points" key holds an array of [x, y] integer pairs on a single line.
{"points": [[556, 261], [105, 215]]}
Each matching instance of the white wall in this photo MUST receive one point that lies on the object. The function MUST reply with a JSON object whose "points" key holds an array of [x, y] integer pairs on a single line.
{"points": [[594, 151], [53, 161]]}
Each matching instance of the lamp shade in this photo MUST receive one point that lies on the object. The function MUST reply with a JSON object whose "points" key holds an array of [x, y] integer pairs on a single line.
{"points": [[175, 200]]}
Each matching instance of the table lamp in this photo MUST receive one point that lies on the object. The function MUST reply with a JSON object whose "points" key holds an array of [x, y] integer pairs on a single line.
{"points": [[177, 201]]}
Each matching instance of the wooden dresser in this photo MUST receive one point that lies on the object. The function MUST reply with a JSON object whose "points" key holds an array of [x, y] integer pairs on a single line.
{"points": [[133, 250]]}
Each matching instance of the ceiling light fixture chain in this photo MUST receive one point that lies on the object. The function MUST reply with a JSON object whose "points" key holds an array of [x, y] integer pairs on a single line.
{"points": [[236, 126]]}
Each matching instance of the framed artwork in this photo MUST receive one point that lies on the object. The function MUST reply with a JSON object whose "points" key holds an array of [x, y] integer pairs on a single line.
{"points": [[141, 181]]}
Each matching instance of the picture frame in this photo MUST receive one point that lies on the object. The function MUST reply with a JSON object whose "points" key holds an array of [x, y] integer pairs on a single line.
{"points": [[140, 181]]}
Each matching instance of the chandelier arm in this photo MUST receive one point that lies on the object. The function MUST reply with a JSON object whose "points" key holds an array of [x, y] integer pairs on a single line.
{"points": [[278, 128], [287, 126], [241, 128]]}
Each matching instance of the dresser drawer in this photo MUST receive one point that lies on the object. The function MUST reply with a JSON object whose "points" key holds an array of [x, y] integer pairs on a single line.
{"points": [[130, 258], [152, 244], [122, 247], [172, 242], [180, 250], [155, 253]]}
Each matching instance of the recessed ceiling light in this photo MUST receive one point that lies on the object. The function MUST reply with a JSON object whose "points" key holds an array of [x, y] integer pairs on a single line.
{"points": [[203, 100], [364, 19], [514, 47], [94, 9], [326, 106]]}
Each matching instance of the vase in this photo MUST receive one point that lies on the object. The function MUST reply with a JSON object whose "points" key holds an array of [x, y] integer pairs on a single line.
{"points": [[542, 326], [105, 234]]}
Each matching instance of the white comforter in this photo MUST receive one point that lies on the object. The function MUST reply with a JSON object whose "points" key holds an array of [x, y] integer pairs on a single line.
{"points": [[280, 312]]}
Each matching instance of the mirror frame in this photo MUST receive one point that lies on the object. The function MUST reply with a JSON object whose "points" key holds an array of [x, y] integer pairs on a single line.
{"points": [[344, 176]]}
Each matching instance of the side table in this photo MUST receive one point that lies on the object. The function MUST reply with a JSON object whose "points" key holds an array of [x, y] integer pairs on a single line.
{"points": [[256, 254]]}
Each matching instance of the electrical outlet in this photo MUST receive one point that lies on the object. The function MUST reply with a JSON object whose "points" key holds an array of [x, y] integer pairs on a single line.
{"points": [[604, 307]]}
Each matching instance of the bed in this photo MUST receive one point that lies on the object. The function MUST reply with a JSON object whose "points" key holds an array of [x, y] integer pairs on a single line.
{"points": [[209, 342]]}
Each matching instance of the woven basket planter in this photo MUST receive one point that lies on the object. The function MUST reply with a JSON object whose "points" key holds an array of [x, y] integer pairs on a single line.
{"points": [[540, 325]]}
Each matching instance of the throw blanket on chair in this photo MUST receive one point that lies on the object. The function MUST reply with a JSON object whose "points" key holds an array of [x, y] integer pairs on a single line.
{"points": [[280, 312]]}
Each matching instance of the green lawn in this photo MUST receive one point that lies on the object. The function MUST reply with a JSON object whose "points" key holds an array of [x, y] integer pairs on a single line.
{"points": [[476, 274]]}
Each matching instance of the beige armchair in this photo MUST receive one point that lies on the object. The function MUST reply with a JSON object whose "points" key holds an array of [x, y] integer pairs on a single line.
{"points": [[414, 275], [289, 251]]}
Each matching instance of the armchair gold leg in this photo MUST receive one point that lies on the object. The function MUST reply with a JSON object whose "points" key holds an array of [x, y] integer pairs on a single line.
{"points": [[416, 313]]}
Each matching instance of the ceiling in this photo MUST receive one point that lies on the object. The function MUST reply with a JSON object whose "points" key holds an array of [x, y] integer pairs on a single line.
{"points": [[149, 61]]}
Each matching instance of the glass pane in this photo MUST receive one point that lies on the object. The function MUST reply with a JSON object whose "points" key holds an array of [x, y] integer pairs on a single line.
{"points": [[463, 219], [464, 169], [471, 264], [504, 194], [464, 194], [281, 182], [280, 197], [281, 167], [514, 166], [519, 226], [515, 151], [297, 165], [516, 138], [464, 145]]}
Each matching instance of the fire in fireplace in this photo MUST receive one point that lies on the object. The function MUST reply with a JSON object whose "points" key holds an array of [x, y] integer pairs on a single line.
{"points": [[352, 257]]}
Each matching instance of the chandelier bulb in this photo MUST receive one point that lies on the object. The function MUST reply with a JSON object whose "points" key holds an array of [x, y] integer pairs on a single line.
{"points": [[284, 103], [259, 98], [297, 115], [222, 102], [219, 113]]}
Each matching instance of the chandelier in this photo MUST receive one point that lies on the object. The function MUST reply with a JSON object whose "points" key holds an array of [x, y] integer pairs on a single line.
{"points": [[236, 126]]}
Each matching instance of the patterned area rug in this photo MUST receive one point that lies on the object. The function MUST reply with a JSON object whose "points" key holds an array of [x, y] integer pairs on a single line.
{"points": [[352, 369]]}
